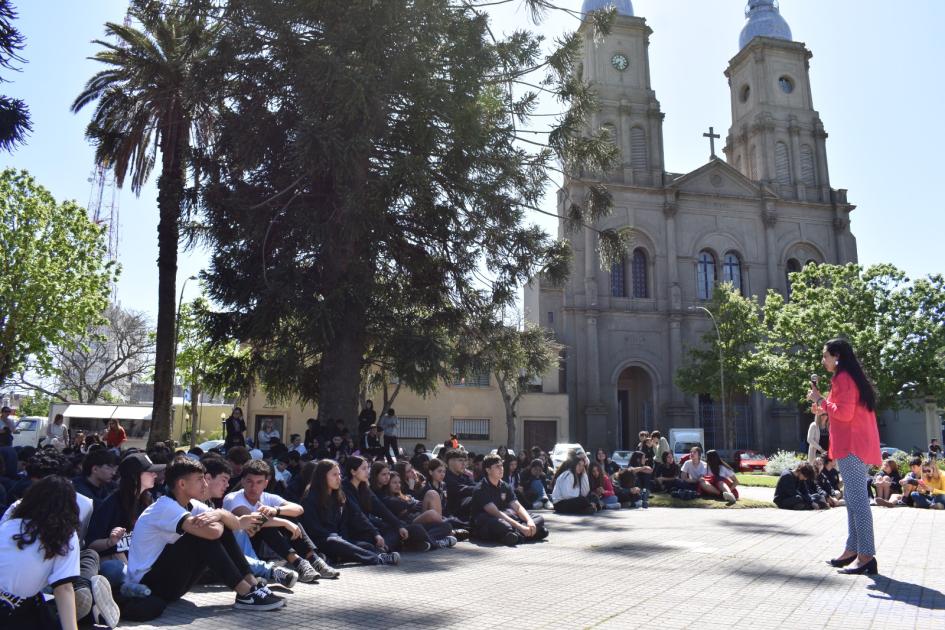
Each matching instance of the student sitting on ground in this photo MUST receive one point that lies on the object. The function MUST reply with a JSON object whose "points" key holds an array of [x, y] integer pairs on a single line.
{"points": [[218, 480], [720, 480], [412, 480], [633, 482], [39, 547], [459, 486], [497, 514], [98, 470], [602, 487], [280, 531], [791, 491], [909, 484], [371, 443], [177, 539], [887, 481], [823, 486], [666, 473], [572, 490], [341, 530], [409, 510], [606, 464], [512, 475], [931, 492], [396, 533], [693, 469], [533, 481], [434, 498]]}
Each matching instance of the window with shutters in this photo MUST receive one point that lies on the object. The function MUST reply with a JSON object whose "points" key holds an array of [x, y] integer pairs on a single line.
{"points": [[412, 427], [618, 281], [638, 274], [782, 163], [471, 429], [705, 275], [639, 155], [732, 271], [808, 174]]}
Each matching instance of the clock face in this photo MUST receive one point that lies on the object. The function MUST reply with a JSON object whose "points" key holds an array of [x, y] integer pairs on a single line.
{"points": [[620, 62]]}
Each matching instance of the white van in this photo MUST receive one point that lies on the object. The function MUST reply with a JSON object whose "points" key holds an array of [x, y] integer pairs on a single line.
{"points": [[29, 431], [681, 441]]}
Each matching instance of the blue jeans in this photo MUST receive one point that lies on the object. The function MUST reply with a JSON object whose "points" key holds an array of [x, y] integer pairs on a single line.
{"points": [[611, 500], [926, 501], [115, 572], [538, 488], [259, 568]]}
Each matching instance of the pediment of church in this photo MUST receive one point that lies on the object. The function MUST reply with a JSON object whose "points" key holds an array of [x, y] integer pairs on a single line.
{"points": [[719, 178]]}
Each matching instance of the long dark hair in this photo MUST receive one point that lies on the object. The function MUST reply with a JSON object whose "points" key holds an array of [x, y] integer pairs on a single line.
{"points": [[364, 490], [848, 363], [50, 514], [319, 485], [714, 461], [596, 482], [131, 499], [376, 469]]}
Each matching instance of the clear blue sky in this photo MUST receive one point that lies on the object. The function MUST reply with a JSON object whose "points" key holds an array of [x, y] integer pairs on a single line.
{"points": [[876, 82]]}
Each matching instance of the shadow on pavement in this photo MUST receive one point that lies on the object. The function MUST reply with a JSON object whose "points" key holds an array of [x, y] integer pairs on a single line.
{"points": [[763, 528], [769, 573], [906, 592], [640, 549]]}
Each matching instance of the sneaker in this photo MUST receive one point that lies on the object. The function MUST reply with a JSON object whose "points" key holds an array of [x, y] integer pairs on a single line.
{"points": [[638, 503], [104, 608], [307, 572], [389, 559], [937, 506], [537, 505], [324, 570], [258, 600], [612, 506], [510, 539], [83, 601], [285, 577], [446, 543], [425, 546], [729, 497], [547, 504], [134, 591], [461, 534], [541, 534]]}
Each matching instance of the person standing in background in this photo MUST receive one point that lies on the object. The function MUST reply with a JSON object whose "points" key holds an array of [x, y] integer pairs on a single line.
{"points": [[234, 428], [389, 423]]}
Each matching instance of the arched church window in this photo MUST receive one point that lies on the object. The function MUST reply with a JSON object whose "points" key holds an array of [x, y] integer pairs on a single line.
{"points": [[638, 274], [808, 174], [793, 266], [782, 163], [639, 155], [705, 275], [732, 271], [618, 281]]}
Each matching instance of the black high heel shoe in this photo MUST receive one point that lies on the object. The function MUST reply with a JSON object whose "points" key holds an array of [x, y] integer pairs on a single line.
{"points": [[870, 568], [837, 562]]}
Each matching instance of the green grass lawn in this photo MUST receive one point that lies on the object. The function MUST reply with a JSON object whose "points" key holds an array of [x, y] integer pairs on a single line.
{"points": [[757, 481], [664, 500]]}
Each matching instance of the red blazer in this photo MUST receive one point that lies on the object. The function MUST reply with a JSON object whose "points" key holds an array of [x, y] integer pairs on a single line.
{"points": [[853, 427]]}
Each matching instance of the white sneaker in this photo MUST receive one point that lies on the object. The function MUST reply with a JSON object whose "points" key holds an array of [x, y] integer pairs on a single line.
{"points": [[104, 608], [937, 506], [729, 497]]}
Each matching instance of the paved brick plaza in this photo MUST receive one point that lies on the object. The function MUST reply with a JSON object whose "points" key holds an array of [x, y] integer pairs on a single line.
{"points": [[667, 568]]}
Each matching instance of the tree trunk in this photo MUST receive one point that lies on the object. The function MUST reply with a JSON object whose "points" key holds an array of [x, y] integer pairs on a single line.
{"points": [[339, 376], [170, 191], [194, 410], [509, 412]]}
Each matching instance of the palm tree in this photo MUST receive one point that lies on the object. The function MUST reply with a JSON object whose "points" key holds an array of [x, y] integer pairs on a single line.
{"points": [[153, 96]]}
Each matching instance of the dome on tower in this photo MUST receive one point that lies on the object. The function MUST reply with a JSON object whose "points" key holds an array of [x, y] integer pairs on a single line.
{"points": [[624, 7], [764, 20]]}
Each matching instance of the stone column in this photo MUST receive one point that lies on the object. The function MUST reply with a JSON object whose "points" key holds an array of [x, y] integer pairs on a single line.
{"points": [[823, 173], [795, 133], [677, 411], [770, 218]]}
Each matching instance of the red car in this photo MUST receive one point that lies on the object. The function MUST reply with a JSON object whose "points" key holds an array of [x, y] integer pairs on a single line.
{"points": [[748, 461]]}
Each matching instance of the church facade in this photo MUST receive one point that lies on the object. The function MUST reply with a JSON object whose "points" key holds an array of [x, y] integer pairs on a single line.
{"points": [[765, 210]]}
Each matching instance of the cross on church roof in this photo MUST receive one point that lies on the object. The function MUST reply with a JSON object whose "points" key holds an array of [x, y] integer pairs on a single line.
{"points": [[712, 137]]}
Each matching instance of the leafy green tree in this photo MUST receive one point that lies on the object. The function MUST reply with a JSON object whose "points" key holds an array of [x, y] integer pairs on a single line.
{"points": [[202, 364], [371, 180], [36, 404], [54, 276], [155, 96], [14, 114], [896, 326], [515, 356], [741, 332]]}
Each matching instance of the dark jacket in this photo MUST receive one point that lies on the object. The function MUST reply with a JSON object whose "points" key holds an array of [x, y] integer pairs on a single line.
{"points": [[789, 486], [347, 521], [380, 516], [458, 489]]}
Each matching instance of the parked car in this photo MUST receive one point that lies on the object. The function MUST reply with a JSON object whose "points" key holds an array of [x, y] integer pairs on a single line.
{"points": [[749, 461], [29, 431], [210, 445], [889, 451], [621, 458], [560, 452], [681, 442], [441, 448]]}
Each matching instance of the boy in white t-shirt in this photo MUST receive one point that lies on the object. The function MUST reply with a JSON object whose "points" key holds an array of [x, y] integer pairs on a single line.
{"points": [[177, 538], [280, 531], [694, 469]]}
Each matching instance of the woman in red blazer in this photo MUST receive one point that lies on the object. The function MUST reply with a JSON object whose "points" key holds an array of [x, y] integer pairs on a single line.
{"points": [[854, 444]]}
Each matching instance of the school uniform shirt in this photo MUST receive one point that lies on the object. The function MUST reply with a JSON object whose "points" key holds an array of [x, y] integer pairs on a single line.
{"points": [[458, 487], [565, 488], [96, 493], [26, 572], [85, 513], [501, 495], [238, 499], [346, 521], [695, 472], [161, 524]]}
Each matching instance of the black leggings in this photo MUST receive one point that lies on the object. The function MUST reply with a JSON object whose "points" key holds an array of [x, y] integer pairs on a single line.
{"points": [[180, 565], [574, 505], [390, 442], [339, 550], [797, 502], [492, 529], [280, 541], [417, 535]]}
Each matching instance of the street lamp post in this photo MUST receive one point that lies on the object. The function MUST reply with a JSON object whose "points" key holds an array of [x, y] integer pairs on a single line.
{"points": [[718, 334], [180, 303]]}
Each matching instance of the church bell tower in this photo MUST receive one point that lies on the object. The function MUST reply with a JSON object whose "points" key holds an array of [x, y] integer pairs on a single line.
{"points": [[776, 137], [618, 66]]}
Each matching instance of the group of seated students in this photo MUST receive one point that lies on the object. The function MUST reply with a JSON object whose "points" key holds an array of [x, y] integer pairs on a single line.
{"points": [[922, 487], [115, 534]]}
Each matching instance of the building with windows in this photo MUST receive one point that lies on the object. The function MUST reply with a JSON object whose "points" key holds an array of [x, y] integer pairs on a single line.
{"points": [[765, 210]]}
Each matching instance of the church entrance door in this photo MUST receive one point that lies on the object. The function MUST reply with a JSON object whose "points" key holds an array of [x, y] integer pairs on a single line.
{"points": [[634, 404]]}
